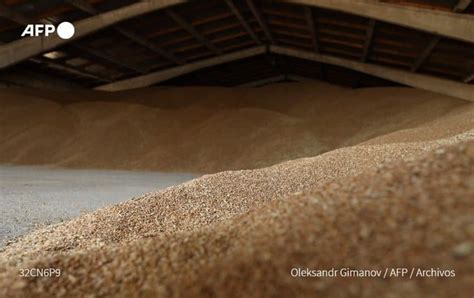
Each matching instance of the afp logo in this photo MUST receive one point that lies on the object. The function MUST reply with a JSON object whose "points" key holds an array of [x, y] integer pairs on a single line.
{"points": [[65, 30]]}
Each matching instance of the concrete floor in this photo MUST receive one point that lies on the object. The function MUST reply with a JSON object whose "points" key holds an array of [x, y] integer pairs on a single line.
{"points": [[31, 197]]}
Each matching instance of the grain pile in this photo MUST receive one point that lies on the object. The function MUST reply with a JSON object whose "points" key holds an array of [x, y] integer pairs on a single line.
{"points": [[401, 197], [204, 130], [416, 211]]}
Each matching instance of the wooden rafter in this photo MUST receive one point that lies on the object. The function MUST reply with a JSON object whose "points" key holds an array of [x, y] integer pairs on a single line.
{"points": [[299, 78], [163, 75], [158, 50], [258, 15], [368, 40], [70, 69], [311, 20], [25, 48], [191, 30], [296, 38], [23, 20], [87, 7], [438, 22], [430, 83], [198, 22], [460, 7], [58, 64], [425, 53], [262, 82], [421, 81], [112, 60], [242, 20], [217, 40]]}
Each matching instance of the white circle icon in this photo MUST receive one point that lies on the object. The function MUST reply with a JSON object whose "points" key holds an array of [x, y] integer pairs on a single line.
{"points": [[66, 30]]}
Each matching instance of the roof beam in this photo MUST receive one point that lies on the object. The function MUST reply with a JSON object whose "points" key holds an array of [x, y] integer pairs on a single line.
{"points": [[87, 7], [23, 20], [442, 86], [460, 7], [262, 82], [443, 23], [191, 30], [79, 71], [368, 40], [25, 48], [242, 20], [421, 81], [258, 15], [70, 69], [310, 19], [438, 22], [300, 79], [160, 76]]}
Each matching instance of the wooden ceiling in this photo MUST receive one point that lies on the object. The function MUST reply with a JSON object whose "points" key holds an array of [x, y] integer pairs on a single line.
{"points": [[198, 30]]}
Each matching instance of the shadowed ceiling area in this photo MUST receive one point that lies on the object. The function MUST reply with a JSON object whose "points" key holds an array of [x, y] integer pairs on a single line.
{"points": [[194, 31]]}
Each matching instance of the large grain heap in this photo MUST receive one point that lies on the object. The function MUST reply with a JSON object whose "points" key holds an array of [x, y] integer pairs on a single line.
{"points": [[386, 180], [207, 129]]}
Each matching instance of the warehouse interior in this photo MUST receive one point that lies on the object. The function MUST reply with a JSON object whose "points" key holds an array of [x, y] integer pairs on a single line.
{"points": [[228, 148]]}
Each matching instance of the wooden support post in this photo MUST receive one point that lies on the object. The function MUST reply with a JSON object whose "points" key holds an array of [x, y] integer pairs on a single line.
{"points": [[311, 20], [368, 40]]}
